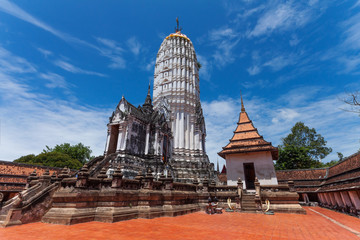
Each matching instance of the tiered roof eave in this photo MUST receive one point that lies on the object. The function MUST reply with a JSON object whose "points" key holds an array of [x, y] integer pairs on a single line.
{"points": [[247, 139]]}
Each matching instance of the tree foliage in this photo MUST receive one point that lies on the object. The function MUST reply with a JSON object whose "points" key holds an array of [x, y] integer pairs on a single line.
{"points": [[78, 151], [51, 159], [294, 157], [302, 148], [303, 136], [63, 155]]}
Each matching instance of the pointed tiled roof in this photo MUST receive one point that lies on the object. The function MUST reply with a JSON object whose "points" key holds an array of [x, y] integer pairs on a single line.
{"points": [[223, 169], [247, 139]]}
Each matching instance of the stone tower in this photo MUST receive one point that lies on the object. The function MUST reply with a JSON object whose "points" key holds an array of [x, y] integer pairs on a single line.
{"points": [[176, 93]]}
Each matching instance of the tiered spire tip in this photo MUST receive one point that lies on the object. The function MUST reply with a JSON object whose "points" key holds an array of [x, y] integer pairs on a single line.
{"points": [[242, 103], [178, 28]]}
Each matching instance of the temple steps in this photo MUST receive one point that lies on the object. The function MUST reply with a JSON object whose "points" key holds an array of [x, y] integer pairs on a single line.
{"points": [[248, 203]]}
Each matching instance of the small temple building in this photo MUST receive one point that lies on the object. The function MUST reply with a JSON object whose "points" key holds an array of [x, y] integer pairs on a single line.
{"points": [[248, 155], [139, 137]]}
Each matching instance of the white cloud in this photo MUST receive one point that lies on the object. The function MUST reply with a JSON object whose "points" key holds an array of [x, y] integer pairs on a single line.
{"points": [[300, 96], [224, 53], [357, 4], [14, 10], [14, 64], [281, 17], [352, 32], [294, 40], [73, 69], [31, 120], [347, 52], [275, 119], [259, 83], [205, 70], [221, 33], [117, 62], [254, 70], [225, 39], [249, 12], [45, 52], [280, 62], [151, 65], [351, 64], [134, 45], [54, 80], [112, 50], [112, 46]]}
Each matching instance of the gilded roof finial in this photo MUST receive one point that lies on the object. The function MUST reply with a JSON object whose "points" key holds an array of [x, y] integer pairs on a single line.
{"points": [[178, 28], [242, 103]]}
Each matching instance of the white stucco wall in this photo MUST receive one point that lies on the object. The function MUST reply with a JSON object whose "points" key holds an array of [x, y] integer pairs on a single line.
{"points": [[263, 164]]}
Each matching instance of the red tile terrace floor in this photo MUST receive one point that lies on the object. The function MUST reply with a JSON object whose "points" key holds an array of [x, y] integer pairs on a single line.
{"points": [[202, 226]]}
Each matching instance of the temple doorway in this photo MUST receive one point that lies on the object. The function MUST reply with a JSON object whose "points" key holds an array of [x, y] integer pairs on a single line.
{"points": [[249, 172], [114, 133]]}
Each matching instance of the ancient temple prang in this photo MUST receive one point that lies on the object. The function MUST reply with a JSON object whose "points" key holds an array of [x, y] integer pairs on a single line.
{"points": [[248, 155], [176, 94]]}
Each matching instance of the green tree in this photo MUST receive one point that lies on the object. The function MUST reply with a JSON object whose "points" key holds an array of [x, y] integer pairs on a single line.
{"points": [[340, 156], [331, 163], [294, 157], [29, 159], [51, 159], [63, 155], [78, 151], [302, 148], [303, 136]]}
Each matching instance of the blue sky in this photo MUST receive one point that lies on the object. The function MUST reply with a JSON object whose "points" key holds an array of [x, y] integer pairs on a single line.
{"points": [[64, 65]]}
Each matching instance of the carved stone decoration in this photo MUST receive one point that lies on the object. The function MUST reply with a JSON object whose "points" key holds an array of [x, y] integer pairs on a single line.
{"points": [[164, 108]]}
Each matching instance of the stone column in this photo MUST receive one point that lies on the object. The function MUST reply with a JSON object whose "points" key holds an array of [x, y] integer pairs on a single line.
{"points": [[123, 147], [176, 132], [107, 140], [240, 193], [200, 142], [181, 132], [155, 143], [192, 137], [187, 137], [147, 139], [119, 140]]}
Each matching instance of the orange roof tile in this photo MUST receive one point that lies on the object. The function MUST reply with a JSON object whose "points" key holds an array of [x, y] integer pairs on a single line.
{"points": [[247, 139]]}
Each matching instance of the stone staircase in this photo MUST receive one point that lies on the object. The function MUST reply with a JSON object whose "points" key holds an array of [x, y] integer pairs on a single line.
{"points": [[248, 203]]}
